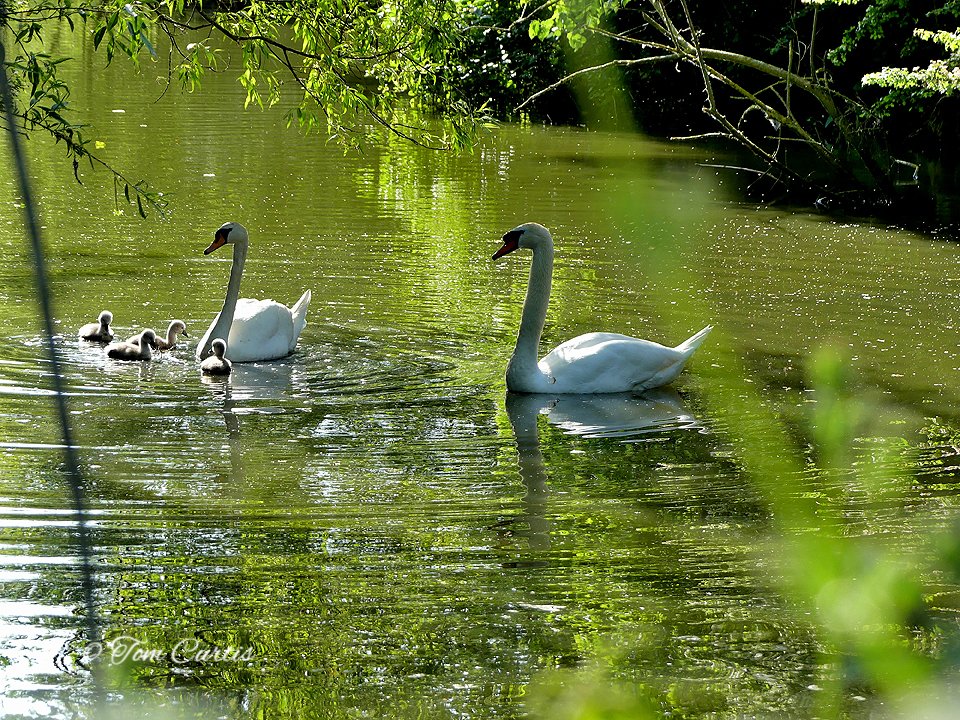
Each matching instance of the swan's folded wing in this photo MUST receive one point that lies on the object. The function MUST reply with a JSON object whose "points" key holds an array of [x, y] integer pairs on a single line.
{"points": [[261, 330], [607, 362]]}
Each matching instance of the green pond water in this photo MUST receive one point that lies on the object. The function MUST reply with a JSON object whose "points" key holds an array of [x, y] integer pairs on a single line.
{"points": [[373, 520]]}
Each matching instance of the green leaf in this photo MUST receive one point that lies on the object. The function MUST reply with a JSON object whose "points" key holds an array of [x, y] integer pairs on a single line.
{"points": [[147, 44]]}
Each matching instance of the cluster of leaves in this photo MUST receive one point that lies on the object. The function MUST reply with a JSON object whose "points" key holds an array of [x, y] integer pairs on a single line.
{"points": [[347, 63], [940, 77], [878, 20], [43, 99], [900, 58], [501, 61], [890, 33], [573, 20]]}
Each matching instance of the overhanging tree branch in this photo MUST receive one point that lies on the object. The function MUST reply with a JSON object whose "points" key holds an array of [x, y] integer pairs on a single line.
{"points": [[347, 62], [682, 43]]}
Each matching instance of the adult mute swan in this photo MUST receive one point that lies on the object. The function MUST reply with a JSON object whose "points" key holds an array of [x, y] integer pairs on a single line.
{"points": [[129, 351], [254, 329], [592, 363], [216, 364], [100, 331], [176, 328]]}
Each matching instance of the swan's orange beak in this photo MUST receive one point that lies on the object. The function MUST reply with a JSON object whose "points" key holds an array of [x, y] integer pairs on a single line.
{"points": [[218, 242], [511, 241]]}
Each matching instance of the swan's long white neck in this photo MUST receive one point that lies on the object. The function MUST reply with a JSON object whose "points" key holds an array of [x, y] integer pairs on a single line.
{"points": [[221, 326], [523, 363]]}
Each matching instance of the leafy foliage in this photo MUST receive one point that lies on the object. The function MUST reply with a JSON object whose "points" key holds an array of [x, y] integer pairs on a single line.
{"points": [[881, 19], [939, 77], [503, 59], [44, 99], [573, 20], [345, 67]]}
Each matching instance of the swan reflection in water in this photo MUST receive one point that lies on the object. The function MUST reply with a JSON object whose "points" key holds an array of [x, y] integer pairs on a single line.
{"points": [[252, 389], [625, 416], [621, 415], [280, 380]]}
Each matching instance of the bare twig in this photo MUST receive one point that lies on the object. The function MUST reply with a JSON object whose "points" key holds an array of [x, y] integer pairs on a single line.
{"points": [[738, 168], [699, 56], [699, 136], [593, 68]]}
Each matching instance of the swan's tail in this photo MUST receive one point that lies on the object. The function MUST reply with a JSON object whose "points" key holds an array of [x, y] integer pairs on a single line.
{"points": [[299, 311], [671, 371], [693, 342]]}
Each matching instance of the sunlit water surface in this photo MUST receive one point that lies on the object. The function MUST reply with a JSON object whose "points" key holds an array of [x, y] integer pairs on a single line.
{"points": [[382, 529]]}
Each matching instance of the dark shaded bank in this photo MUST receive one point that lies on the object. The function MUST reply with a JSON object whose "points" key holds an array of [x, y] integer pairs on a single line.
{"points": [[814, 133]]}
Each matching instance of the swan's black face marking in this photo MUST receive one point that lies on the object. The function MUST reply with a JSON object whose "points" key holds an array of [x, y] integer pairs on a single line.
{"points": [[511, 241], [219, 240]]}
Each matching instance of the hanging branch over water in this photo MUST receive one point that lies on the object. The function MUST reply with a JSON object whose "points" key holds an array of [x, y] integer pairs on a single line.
{"points": [[737, 86], [349, 69], [40, 102], [72, 464], [779, 110]]}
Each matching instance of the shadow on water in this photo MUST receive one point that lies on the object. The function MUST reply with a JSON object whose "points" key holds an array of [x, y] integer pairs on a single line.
{"points": [[624, 416], [253, 383]]}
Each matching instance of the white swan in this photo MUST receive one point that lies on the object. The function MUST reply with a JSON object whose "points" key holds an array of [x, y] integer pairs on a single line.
{"points": [[216, 364], [254, 329], [177, 327], [99, 331], [591, 363], [129, 351]]}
